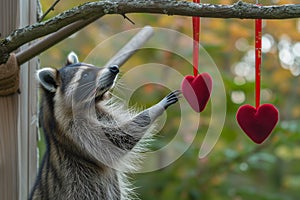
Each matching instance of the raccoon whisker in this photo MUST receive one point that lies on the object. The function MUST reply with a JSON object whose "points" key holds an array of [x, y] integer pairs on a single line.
{"points": [[92, 93], [108, 84], [121, 84], [83, 85], [122, 87], [88, 89], [86, 94], [106, 79], [115, 96], [87, 84]]}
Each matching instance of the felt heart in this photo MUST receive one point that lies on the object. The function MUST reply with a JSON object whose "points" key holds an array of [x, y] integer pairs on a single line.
{"points": [[257, 123], [197, 90]]}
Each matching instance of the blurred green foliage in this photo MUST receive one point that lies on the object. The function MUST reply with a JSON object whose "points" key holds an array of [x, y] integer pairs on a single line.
{"points": [[236, 168]]}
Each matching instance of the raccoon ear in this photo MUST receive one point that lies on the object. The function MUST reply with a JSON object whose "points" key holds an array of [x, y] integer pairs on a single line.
{"points": [[72, 58], [47, 78]]}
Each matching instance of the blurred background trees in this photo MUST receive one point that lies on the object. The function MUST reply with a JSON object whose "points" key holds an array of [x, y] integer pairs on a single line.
{"points": [[236, 168]]}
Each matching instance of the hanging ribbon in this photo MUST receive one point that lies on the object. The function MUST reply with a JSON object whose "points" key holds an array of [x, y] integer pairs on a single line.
{"points": [[258, 35], [196, 39]]}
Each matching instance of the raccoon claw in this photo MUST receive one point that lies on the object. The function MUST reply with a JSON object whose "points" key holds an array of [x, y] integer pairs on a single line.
{"points": [[171, 98]]}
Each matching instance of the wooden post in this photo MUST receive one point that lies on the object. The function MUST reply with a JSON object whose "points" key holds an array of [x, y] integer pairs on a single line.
{"points": [[9, 116], [18, 157]]}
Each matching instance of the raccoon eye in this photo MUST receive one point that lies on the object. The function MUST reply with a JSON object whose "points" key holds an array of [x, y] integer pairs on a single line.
{"points": [[85, 76]]}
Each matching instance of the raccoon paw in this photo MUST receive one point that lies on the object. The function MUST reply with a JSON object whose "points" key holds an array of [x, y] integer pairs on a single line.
{"points": [[171, 98]]}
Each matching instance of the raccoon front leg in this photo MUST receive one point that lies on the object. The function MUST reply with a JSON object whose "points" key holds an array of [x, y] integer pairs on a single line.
{"points": [[108, 144], [131, 132], [148, 116]]}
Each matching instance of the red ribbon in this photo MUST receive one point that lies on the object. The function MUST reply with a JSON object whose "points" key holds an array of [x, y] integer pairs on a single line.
{"points": [[258, 35], [196, 36]]}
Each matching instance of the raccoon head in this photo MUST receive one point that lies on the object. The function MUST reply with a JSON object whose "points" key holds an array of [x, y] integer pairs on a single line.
{"points": [[77, 82]]}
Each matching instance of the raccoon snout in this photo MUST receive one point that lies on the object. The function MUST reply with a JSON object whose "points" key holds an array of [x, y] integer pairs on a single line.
{"points": [[114, 69]]}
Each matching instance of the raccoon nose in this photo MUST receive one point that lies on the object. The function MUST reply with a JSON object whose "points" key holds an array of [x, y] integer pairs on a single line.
{"points": [[114, 69]]}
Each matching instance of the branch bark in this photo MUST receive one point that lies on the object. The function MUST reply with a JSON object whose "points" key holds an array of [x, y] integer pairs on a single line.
{"points": [[95, 10]]}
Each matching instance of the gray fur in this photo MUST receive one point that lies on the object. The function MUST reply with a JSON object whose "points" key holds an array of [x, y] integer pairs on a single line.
{"points": [[91, 142]]}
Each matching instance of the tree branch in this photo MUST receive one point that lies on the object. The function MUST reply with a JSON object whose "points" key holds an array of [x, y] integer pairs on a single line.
{"points": [[95, 10], [50, 40]]}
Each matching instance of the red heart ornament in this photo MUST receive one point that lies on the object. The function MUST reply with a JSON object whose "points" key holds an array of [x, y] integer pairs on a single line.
{"points": [[257, 123], [197, 90]]}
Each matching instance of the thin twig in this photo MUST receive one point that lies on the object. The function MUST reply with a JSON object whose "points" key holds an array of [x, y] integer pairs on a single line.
{"points": [[125, 17], [49, 10]]}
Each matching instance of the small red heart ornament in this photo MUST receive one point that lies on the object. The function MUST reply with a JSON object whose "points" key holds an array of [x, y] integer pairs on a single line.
{"points": [[197, 90], [257, 123]]}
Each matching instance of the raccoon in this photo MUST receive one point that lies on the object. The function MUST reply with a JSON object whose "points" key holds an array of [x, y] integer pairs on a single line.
{"points": [[91, 142]]}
